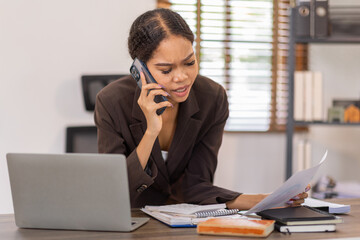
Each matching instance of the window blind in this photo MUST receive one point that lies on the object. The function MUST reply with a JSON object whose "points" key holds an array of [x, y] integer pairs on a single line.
{"points": [[242, 45], [280, 59]]}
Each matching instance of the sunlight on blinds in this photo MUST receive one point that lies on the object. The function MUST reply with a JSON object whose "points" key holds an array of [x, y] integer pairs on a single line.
{"points": [[236, 51]]}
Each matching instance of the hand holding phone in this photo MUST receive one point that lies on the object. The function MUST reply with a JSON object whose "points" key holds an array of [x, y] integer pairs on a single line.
{"points": [[135, 69]]}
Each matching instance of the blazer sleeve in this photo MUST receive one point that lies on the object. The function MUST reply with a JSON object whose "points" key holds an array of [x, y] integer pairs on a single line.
{"points": [[111, 140], [199, 174]]}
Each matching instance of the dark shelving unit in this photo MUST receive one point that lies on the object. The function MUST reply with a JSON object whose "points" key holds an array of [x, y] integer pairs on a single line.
{"points": [[291, 123], [330, 40], [297, 123]]}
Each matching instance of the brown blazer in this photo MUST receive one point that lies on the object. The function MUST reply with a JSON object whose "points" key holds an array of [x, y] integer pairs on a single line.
{"points": [[188, 173]]}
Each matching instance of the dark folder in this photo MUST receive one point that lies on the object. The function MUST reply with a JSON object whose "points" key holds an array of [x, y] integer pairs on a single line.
{"points": [[302, 215], [321, 20], [312, 18], [302, 19]]}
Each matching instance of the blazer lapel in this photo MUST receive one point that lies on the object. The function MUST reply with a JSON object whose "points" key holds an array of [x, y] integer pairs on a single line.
{"points": [[186, 132], [138, 130]]}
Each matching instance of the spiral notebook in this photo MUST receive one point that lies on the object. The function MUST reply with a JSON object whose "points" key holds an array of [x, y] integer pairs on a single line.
{"points": [[187, 215]]}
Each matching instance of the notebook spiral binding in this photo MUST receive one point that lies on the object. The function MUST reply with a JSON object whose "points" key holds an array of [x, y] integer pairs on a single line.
{"points": [[215, 213]]}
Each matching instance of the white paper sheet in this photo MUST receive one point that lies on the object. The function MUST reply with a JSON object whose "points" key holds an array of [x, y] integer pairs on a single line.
{"points": [[293, 186], [332, 207]]}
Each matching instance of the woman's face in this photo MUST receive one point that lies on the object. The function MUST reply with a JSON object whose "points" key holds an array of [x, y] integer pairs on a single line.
{"points": [[174, 66]]}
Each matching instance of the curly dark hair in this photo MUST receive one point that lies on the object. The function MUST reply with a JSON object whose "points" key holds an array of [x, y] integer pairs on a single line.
{"points": [[150, 28]]}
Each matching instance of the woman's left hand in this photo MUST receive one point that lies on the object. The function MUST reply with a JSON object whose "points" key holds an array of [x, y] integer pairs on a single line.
{"points": [[300, 198]]}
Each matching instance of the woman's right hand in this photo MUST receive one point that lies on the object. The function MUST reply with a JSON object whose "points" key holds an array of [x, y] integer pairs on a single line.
{"points": [[148, 105]]}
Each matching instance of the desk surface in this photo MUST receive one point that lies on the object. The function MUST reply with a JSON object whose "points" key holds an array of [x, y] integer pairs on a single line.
{"points": [[156, 230]]}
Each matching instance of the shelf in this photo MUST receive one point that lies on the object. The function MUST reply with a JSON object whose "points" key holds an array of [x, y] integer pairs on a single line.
{"points": [[330, 40], [335, 38], [297, 123]]}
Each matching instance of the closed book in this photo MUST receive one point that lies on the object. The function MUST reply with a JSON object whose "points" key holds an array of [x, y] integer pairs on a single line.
{"points": [[299, 96], [302, 19], [305, 228], [308, 96], [303, 155], [321, 21], [317, 97], [302, 215], [300, 155], [236, 227], [307, 154]]}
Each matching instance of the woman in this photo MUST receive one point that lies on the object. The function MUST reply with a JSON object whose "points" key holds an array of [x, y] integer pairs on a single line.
{"points": [[170, 157]]}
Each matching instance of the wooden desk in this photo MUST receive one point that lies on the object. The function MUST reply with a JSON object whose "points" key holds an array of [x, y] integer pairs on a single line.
{"points": [[156, 230]]}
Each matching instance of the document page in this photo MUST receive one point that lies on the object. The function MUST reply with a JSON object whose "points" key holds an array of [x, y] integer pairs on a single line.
{"points": [[332, 207], [293, 186]]}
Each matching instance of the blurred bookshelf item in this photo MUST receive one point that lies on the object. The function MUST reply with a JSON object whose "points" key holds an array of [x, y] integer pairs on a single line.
{"points": [[345, 20], [317, 19], [347, 111], [308, 96], [336, 115], [303, 155], [328, 187], [312, 18]]}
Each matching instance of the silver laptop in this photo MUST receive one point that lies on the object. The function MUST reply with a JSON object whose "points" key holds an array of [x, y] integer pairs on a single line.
{"points": [[71, 191]]}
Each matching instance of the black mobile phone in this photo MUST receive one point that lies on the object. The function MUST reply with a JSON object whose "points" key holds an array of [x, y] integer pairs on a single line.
{"points": [[135, 69]]}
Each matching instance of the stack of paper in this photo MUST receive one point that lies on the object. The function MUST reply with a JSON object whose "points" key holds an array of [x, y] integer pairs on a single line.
{"points": [[186, 215], [185, 208], [333, 208]]}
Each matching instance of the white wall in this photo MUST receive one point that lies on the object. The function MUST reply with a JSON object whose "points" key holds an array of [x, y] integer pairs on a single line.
{"points": [[45, 47], [340, 66], [251, 162]]}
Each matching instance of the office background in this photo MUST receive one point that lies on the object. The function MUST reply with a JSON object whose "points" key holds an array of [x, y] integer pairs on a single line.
{"points": [[46, 46]]}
